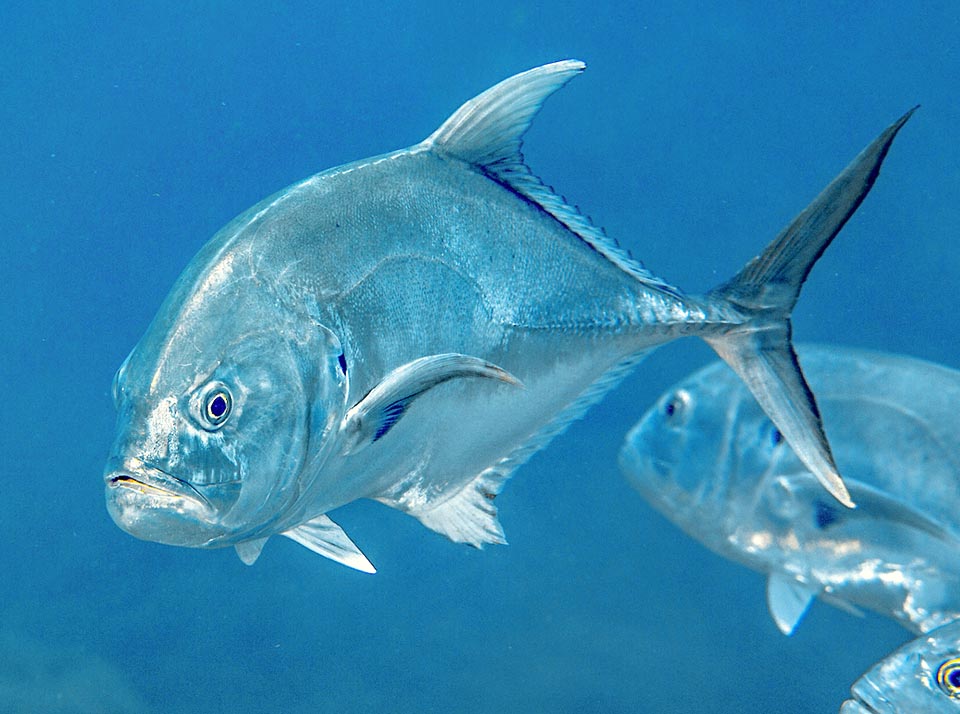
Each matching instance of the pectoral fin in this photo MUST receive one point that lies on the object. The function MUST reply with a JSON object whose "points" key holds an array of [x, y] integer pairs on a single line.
{"points": [[323, 536], [873, 504], [372, 417], [788, 601], [249, 550]]}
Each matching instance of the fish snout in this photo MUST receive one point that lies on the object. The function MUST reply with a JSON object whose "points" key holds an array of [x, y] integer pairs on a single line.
{"points": [[151, 504], [138, 475]]}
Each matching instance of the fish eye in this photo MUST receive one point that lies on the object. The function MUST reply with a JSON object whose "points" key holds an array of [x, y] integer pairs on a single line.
{"points": [[675, 408], [776, 438], [216, 403], [948, 678]]}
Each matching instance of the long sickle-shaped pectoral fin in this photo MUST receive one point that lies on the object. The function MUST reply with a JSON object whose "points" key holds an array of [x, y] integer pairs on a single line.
{"points": [[373, 416]]}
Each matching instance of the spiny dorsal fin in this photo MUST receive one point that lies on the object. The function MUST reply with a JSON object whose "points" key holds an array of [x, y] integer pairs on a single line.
{"points": [[487, 132]]}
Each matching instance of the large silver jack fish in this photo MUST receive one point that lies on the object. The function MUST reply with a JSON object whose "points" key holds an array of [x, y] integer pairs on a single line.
{"points": [[412, 327]]}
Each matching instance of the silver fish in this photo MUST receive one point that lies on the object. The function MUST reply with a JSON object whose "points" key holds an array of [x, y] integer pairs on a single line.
{"points": [[711, 461], [922, 677], [412, 327]]}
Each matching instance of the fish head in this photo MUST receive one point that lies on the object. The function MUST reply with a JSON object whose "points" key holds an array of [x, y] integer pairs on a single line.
{"points": [[221, 412], [921, 676], [699, 453]]}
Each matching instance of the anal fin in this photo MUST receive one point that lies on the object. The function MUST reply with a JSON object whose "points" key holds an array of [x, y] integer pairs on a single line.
{"points": [[469, 516]]}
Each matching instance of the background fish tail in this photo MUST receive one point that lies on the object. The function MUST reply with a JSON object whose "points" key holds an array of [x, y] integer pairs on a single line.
{"points": [[760, 348]]}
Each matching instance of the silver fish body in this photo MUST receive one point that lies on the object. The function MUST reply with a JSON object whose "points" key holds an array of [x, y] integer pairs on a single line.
{"points": [[410, 328], [714, 464], [921, 677]]}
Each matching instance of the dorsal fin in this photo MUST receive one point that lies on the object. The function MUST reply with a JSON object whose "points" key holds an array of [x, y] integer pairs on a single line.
{"points": [[487, 132]]}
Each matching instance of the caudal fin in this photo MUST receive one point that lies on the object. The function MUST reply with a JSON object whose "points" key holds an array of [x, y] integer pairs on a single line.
{"points": [[760, 349]]}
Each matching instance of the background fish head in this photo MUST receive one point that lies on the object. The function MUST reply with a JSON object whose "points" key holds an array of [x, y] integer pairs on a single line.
{"points": [[921, 676], [223, 407], [702, 454]]}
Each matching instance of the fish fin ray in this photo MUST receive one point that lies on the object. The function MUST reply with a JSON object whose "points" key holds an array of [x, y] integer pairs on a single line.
{"points": [[773, 279], [788, 601], [323, 536], [765, 291], [249, 550], [768, 365], [487, 132], [383, 406], [470, 516]]}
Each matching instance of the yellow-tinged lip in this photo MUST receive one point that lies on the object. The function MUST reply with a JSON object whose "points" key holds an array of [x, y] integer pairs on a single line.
{"points": [[127, 481], [147, 479]]}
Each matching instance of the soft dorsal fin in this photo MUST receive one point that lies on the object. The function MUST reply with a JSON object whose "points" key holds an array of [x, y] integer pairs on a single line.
{"points": [[487, 132]]}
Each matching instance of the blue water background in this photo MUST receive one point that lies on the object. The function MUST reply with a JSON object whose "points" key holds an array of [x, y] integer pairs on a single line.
{"points": [[130, 132]]}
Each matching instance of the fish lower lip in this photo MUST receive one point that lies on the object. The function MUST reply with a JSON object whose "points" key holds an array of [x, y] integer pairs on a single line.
{"points": [[127, 481], [151, 480]]}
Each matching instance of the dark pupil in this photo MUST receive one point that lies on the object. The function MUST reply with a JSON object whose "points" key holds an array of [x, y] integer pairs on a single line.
{"points": [[670, 409], [776, 437], [954, 678], [218, 407]]}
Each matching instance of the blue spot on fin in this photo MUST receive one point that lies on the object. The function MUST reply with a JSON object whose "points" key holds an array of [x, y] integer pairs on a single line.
{"points": [[826, 514], [389, 416]]}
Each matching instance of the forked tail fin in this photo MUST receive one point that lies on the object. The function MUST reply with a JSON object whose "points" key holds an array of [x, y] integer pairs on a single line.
{"points": [[760, 349]]}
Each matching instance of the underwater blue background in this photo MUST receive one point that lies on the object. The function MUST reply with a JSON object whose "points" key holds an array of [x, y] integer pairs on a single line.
{"points": [[129, 133]]}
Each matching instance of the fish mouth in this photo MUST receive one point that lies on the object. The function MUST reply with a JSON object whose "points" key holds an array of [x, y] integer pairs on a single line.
{"points": [[148, 480], [151, 504], [868, 699]]}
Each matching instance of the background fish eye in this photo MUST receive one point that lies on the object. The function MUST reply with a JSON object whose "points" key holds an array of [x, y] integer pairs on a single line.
{"points": [[948, 677], [676, 407]]}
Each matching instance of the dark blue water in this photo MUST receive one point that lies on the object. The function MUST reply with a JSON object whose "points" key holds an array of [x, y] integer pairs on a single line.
{"points": [[129, 135]]}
